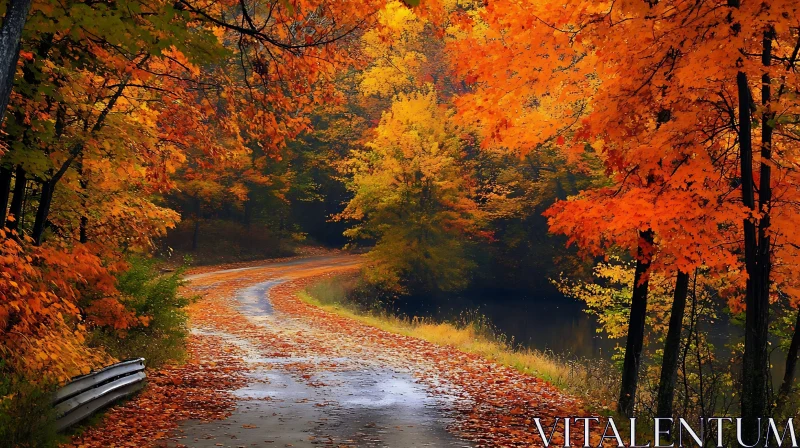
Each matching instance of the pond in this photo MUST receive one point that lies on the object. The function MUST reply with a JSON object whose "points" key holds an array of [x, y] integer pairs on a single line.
{"points": [[544, 319], [547, 320]]}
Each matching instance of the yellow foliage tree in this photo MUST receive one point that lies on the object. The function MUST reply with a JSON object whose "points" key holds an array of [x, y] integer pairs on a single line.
{"points": [[414, 198]]}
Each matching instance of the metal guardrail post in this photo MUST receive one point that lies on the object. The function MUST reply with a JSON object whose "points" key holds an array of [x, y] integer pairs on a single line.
{"points": [[85, 395]]}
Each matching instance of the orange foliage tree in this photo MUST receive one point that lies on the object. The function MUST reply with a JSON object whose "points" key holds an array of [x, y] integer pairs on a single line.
{"points": [[110, 102], [669, 113]]}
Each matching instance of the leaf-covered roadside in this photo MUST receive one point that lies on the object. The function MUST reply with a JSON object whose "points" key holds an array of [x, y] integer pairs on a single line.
{"points": [[493, 405], [496, 404], [196, 390]]}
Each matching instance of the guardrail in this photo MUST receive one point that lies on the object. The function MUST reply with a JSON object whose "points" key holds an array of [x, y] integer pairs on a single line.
{"points": [[85, 395]]}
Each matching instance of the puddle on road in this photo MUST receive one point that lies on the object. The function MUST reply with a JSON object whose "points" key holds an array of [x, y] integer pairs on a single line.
{"points": [[254, 301], [363, 405]]}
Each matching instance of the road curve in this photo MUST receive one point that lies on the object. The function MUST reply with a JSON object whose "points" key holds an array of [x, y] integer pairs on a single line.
{"points": [[308, 384]]}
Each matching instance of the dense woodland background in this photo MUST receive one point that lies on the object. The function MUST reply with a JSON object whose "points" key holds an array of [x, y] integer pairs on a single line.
{"points": [[641, 156]]}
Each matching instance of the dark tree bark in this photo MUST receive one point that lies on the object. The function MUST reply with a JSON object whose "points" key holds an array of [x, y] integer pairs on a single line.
{"points": [[635, 342], [755, 360], [49, 186], [791, 365], [672, 347], [84, 221], [42, 212], [10, 35], [20, 179], [5, 192], [84, 237]]}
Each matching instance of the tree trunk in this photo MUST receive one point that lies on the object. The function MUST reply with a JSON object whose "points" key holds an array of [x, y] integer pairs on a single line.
{"points": [[791, 364], [43, 211], [5, 192], [84, 238], [635, 342], [48, 187], [16, 201], [10, 35], [84, 221], [672, 347], [755, 360]]}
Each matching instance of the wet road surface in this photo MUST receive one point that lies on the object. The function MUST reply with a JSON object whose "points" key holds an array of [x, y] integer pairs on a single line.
{"points": [[341, 395]]}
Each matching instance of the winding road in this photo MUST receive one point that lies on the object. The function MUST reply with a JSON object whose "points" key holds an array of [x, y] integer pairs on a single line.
{"points": [[265, 368], [308, 382]]}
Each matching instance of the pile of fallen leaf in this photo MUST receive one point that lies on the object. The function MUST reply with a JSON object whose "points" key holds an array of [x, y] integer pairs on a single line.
{"points": [[196, 390]]}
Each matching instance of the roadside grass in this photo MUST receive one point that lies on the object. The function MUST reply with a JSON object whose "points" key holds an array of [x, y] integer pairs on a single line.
{"points": [[591, 380]]}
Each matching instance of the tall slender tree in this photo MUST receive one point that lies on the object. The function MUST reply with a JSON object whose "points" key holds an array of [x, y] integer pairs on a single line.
{"points": [[10, 35]]}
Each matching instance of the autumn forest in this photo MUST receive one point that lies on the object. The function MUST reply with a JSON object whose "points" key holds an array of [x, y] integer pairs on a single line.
{"points": [[494, 213]]}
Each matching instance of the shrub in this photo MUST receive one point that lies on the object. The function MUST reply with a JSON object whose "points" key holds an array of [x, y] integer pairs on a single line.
{"points": [[155, 299], [27, 418]]}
